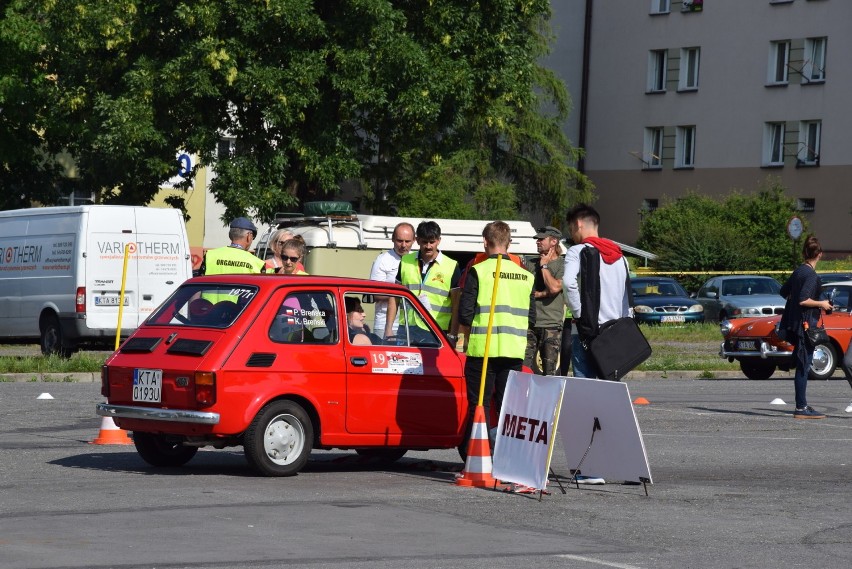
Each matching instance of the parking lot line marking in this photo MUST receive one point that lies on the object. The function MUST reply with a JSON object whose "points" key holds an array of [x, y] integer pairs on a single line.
{"points": [[717, 436], [597, 561]]}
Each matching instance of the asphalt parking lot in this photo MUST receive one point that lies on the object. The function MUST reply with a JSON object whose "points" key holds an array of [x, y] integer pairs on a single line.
{"points": [[738, 483]]}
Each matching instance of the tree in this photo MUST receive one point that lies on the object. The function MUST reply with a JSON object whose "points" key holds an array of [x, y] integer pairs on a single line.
{"points": [[741, 232], [310, 92]]}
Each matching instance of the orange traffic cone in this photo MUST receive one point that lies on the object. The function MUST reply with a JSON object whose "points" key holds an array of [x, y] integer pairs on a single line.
{"points": [[477, 467], [641, 401], [111, 435]]}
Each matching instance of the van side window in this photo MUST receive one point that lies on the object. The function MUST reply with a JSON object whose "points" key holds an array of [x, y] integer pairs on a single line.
{"points": [[305, 318]]}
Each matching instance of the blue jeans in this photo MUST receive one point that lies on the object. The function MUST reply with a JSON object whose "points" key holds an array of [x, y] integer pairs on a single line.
{"points": [[581, 361], [804, 358]]}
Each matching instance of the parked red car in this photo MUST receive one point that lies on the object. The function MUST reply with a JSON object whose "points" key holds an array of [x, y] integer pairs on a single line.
{"points": [[266, 362], [756, 345]]}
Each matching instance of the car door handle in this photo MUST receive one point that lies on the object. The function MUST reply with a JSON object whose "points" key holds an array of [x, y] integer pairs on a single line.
{"points": [[360, 362]]}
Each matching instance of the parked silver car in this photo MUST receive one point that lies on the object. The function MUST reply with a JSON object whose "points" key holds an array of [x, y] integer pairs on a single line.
{"points": [[738, 296]]}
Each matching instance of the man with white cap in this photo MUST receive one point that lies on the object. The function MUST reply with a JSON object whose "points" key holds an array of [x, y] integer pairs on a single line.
{"points": [[235, 258]]}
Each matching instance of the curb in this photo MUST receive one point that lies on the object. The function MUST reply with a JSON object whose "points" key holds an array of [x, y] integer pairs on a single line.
{"points": [[76, 377]]}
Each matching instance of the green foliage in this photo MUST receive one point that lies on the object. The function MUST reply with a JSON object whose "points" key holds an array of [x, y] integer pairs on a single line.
{"points": [[741, 232], [312, 93]]}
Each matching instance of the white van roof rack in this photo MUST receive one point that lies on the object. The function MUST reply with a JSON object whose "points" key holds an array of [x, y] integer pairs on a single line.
{"points": [[283, 220]]}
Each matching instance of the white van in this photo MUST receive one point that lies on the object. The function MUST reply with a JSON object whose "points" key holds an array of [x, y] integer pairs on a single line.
{"points": [[345, 244], [61, 267]]}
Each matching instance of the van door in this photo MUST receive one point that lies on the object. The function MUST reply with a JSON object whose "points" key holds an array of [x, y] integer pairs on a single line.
{"points": [[162, 258], [109, 229]]}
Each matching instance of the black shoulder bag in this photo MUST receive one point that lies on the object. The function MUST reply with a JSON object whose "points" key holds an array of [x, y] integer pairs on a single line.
{"points": [[619, 345]]}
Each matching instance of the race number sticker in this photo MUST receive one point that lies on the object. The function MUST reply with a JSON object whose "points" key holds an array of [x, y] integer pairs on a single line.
{"points": [[398, 362]]}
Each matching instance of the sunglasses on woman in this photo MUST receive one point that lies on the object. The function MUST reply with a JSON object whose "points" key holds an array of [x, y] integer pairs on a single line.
{"points": [[292, 259]]}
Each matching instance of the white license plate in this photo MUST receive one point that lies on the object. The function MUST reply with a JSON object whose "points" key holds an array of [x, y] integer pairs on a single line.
{"points": [[673, 318], [110, 301], [148, 385], [746, 345]]}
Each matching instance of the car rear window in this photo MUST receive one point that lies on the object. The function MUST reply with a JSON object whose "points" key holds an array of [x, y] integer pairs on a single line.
{"points": [[204, 306]]}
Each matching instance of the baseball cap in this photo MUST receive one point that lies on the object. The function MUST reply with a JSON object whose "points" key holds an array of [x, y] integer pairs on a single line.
{"points": [[548, 231], [244, 223]]}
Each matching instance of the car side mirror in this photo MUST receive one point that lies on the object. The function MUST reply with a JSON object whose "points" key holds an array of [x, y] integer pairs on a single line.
{"points": [[711, 294]]}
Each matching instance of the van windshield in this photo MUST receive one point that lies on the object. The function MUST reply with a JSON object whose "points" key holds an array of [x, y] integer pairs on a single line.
{"points": [[204, 306]]}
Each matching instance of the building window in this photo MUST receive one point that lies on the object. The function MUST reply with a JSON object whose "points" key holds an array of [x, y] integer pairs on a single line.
{"points": [[806, 204], [689, 58], [779, 60], [657, 70], [773, 144], [809, 134], [653, 152], [685, 147], [813, 70], [661, 6]]}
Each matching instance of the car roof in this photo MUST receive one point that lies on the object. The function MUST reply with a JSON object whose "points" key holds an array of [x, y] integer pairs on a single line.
{"points": [[266, 281], [839, 283], [728, 277]]}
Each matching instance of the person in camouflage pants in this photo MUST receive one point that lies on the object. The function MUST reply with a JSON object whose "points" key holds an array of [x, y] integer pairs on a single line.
{"points": [[544, 340]]}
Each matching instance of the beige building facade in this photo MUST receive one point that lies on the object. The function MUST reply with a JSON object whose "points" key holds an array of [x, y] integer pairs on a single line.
{"points": [[712, 96]]}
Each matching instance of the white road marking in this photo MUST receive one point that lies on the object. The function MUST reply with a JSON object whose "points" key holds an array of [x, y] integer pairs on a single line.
{"points": [[597, 561]]}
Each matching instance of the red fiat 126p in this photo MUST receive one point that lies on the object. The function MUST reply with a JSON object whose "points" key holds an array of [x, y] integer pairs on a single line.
{"points": [[272, 363]]}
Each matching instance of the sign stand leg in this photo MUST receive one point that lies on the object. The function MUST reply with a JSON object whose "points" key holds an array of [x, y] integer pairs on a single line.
{"points": [[575, 471]]}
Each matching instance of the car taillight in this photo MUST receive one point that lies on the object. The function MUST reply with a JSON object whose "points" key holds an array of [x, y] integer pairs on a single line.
{"points": [[105, 381], [80, 300], [205, 388]]}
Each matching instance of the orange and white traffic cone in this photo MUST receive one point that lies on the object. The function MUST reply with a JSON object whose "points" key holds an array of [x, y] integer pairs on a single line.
{"points": [[110, 434], [477, 467]]}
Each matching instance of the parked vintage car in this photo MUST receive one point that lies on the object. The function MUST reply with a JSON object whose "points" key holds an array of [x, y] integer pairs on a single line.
{"points": [[754, 342], [740, 296], [266, 362], [662, 300]]}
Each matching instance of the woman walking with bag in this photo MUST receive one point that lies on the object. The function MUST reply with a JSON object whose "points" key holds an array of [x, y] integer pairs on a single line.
{"points": [[801, 313]]}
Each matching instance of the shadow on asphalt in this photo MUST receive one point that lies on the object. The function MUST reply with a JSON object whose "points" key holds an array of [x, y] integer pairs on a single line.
{"points": [[233, 463]]}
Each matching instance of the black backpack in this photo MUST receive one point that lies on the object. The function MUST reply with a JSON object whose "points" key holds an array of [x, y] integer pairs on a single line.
{"points": [[590, 293]]}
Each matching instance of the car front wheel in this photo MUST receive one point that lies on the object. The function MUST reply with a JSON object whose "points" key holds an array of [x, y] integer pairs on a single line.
{"points": [[279, 440], [162, 451], [757, 370], [824, 362]]}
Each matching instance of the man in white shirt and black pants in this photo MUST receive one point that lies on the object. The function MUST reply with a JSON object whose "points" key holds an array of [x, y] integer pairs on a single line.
{"points": [[386, 267]]}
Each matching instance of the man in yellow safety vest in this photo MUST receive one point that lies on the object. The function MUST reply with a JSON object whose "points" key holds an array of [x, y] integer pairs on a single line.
{"points": [[514, 313], [433, 277], [235, 258]]}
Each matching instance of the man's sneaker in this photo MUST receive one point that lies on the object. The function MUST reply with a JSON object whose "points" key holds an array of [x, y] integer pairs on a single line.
{"points": [[807, 413], [849, 409], [589, 480]]}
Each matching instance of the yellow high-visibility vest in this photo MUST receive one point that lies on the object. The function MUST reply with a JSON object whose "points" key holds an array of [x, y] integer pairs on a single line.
{"points": [[511, 310]]}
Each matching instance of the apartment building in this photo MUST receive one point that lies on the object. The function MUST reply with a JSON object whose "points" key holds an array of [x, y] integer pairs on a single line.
{"points": [[712, 95]]}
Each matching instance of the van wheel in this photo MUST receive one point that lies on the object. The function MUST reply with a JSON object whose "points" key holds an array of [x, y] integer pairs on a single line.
{"points": [[162, 451], [279, 440], [52, 340]]}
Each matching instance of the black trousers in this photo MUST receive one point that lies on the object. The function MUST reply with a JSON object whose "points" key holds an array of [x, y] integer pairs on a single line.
{"points": [[495, 385]]}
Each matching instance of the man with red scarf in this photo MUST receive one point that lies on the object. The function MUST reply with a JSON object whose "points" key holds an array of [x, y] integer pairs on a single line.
{"points": [[595, 283]]}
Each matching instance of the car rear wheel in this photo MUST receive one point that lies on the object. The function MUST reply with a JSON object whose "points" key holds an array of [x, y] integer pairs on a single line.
{"points": [[52, 339], [162, 451], [757, 370], [387, 455], [279, 440], [824, 362]]}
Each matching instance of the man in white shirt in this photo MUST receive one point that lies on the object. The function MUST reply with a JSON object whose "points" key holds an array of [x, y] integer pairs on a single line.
{"points": [[386, 267], [603, 296]]}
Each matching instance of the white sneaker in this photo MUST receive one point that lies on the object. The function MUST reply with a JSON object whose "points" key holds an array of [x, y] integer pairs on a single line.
{"points": [[849, 409], [590, 480]]}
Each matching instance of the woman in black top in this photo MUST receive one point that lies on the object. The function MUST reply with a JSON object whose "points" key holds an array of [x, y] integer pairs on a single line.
{"points": [[802, 293]]}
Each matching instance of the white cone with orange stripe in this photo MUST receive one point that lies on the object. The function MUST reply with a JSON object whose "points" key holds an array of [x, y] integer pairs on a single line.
{"points": [[477, 467], [110, 434]]}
